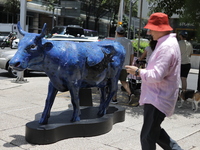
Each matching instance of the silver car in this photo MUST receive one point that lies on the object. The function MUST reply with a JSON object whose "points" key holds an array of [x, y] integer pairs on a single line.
{"points": [[5, 56]]}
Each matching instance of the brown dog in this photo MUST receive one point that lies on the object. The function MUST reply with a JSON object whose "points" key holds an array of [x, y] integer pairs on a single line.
{"points": [[196, 99], [191, 96]]}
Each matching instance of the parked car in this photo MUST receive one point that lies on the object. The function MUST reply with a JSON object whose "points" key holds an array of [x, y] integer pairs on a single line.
{"points": [[91, 34], [196, 48], [109, 38], [5, 56], [74, 39], [73, 30]]}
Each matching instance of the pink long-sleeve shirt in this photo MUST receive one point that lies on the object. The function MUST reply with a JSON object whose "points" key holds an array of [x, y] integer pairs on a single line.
{"points": [[160, 79]]}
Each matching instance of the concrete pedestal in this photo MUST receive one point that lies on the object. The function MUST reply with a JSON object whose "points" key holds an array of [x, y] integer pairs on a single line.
{"points": [[85, 96], [59, 126]]}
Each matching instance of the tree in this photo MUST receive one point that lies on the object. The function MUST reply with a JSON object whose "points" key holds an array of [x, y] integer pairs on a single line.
{"points": [[188, 11], [97, 9], [13, 7], [114, 8], [87, 6], [101, 8], [192, 15], [134, 7], [169, 7], [50, 6]]}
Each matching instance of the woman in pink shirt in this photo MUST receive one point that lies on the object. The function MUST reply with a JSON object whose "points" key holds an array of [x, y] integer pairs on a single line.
{"points": [[160, 84]]}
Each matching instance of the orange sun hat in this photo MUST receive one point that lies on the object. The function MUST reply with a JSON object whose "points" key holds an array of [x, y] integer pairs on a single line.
{"points": [[158, 22]]}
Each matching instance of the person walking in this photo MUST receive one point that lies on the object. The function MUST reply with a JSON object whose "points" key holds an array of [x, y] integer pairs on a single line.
{"points": [[148, 50], [120, 37], [186, 52], [160, 84]]}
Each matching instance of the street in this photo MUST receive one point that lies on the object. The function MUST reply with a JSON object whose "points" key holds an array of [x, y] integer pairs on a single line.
{"points": [[3, 74]]}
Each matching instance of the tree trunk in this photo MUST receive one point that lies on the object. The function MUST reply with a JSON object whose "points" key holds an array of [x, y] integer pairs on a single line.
{"points": [[96, 24], [87, 22]]}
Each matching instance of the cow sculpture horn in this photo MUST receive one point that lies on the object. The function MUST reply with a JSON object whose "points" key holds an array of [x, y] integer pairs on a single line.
{"points": [[21, 31], [42, 34]]}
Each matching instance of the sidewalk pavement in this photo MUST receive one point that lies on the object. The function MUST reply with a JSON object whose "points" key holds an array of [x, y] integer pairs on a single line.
{"points": [[21, 102], [194, 71]]}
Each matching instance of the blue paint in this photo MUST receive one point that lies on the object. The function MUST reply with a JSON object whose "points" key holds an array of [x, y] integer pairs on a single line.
{"points": [[71, 66]]}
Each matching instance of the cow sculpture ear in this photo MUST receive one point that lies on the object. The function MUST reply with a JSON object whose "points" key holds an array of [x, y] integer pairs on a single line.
{"points": [[47, 46]]}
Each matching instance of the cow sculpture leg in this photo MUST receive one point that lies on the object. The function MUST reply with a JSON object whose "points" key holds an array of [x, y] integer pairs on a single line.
{"points": [[52, 91], [105, 100], [74, 92]]}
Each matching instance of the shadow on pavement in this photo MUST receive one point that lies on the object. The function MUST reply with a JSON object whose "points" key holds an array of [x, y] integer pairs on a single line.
{"points": [[15, 142], [31, 74]]}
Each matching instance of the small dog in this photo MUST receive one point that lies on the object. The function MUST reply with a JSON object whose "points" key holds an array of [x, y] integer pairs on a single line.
{"points": [[196, 99], [190, 96]]}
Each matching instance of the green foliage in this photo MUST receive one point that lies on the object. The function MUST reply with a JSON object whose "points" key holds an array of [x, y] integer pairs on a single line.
{"points": [[169, 7], [192, 15], [12, 6], [50, 4], [134, 7], [108, 8], [125, 21], [188, 11], [143, 45]]}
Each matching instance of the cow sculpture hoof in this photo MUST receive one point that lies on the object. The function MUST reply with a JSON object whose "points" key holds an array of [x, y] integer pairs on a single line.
{"points": [[75, 119], [43, 121], [101, 112]]}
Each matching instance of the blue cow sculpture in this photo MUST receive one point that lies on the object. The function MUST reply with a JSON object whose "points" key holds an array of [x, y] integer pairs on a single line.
{"points": [[70, 67]]}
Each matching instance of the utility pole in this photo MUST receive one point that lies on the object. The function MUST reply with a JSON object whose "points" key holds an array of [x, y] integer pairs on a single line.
{"points": [[23, 8], [130, 18], [53, 17], [121, 12], [141, 4]]}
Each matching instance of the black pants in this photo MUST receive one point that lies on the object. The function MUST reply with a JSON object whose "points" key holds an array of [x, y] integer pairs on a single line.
{"points": [[152, 132], [185, 69]]}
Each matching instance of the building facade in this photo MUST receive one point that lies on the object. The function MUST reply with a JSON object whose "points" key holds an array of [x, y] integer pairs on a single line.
{"points": [[67, 13]]}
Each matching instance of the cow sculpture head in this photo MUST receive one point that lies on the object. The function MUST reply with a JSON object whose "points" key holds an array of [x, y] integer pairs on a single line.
{"points": [[30, 50]]}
